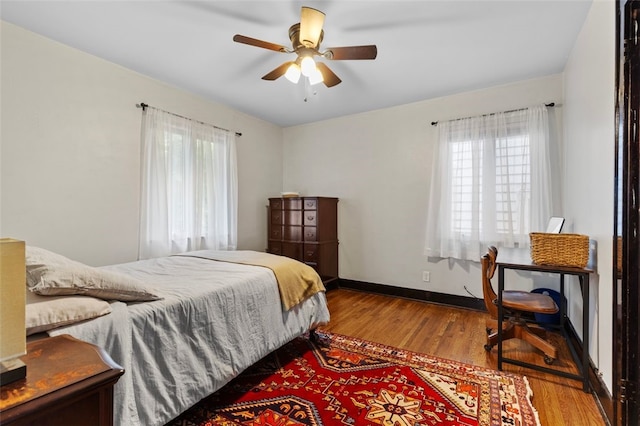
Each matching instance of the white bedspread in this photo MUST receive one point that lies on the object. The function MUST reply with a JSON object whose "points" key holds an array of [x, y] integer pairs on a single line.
{"points": [[216, 319]]}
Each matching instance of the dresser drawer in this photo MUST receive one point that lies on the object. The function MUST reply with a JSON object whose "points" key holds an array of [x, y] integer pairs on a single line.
{"points": [[292, 217], [292, 250], [275, 203], [275, 247], [310, 218], [311, 253], [292, 204], [277, 218], [275, 233], [310, 233], [310, 204], [292, 233]]}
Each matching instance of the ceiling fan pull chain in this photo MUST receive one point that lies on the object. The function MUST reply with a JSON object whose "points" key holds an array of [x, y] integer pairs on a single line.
{"points": [[309, 91]]}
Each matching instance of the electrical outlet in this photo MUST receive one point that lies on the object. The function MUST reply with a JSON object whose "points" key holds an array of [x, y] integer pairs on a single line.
{"points": [[426, 276]]}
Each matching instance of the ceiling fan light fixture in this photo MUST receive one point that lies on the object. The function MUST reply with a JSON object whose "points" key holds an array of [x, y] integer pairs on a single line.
{"points": [[306, 37], [308, 66], [293, 73], [316, 77], [311, 22]]}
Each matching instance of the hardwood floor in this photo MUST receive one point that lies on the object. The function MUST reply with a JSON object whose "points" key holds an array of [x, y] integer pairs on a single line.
{"points": [[459, 334]]}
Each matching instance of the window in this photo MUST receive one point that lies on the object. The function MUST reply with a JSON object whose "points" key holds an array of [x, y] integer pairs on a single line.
{"points": [[487, 173], [512, 188], [189, 186]]}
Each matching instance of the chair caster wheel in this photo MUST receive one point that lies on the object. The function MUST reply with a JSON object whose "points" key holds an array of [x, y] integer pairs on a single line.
{"points": [[548, 360], [488, 348]]}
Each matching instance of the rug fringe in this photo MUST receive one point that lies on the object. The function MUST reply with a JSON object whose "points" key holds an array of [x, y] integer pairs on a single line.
{"points": [[530, 397]]}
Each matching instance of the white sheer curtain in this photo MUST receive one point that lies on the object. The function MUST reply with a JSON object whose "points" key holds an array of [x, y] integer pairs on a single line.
{"points": [[491, 183], [189, 186]]}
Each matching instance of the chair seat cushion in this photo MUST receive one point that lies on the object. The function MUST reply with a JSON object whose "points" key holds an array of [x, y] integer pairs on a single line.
{"points": [[528, 302]]}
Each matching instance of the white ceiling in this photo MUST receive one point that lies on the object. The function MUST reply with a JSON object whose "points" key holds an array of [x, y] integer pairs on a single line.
{"points": [[426, 49]]}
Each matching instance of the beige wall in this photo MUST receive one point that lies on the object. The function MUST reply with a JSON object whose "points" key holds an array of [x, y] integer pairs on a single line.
{"points": [[70, 150], [379, 165], [589, 123]]}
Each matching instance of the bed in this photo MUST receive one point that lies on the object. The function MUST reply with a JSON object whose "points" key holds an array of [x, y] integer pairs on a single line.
{"points": [[182, 327]]}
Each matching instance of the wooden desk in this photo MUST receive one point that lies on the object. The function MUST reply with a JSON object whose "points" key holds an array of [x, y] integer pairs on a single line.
{"points": [[520, 260], [69, 382]]}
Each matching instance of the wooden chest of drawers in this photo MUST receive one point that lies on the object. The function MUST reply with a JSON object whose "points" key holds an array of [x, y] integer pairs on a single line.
{"points": [[306, 229]]}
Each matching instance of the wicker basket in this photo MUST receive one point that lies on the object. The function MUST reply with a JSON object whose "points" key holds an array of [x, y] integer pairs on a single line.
{"points": [[559, 249]]}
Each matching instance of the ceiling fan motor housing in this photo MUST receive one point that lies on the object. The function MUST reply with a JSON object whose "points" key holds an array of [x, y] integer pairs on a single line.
{"points": [[294, 36]]}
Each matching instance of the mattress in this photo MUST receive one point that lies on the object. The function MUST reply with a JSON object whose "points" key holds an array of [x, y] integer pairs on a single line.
{"points": [[214, 320]]}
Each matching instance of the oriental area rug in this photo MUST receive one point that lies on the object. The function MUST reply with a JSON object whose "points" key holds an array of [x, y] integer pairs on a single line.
{"points": [[339, 380]]}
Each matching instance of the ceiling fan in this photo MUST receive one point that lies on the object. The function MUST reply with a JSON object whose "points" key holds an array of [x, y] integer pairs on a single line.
{"points": [[306, 37]]}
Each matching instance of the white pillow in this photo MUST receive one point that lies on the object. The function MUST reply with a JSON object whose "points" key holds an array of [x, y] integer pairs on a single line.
{"points": [[46, 313], [51, 274]]}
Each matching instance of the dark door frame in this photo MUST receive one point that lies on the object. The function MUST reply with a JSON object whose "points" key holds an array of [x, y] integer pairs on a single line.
{"points": [[626, 321]]}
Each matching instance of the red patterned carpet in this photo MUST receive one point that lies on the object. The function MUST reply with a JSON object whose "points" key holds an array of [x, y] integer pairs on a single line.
{"points": [[347, 381]]}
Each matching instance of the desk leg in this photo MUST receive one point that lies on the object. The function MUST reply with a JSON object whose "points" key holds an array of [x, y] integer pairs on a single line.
{"points": [[584, 280], [563, 312], [500, 314]]}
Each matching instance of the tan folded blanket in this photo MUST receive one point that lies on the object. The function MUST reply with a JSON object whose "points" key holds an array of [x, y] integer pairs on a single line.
{"points": [[296, 280]]}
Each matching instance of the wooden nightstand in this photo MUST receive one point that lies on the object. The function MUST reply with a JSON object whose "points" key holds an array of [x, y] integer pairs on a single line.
{"points": [[69, 382]]}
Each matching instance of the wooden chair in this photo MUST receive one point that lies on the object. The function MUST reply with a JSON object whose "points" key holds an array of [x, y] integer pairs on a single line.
{"points": [[515, 303]]}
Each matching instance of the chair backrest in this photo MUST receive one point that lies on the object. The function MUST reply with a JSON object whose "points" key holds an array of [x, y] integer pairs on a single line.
{"points": [[488, 262]]}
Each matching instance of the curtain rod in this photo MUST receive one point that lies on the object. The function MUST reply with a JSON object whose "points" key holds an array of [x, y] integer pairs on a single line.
{"points": [[435, 123], [144, 107]]}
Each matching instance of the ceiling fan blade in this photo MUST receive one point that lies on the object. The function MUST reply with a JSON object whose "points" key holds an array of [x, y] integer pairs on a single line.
{"points": [[259, 43], [278, 72], [353, 52], [328, 76], [311, 22]]}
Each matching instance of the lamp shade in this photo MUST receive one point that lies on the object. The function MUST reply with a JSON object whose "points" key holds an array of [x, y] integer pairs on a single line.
{"points": [[308, 66], [311, 22], [316, 77], [293, 73], [12, 309]]}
